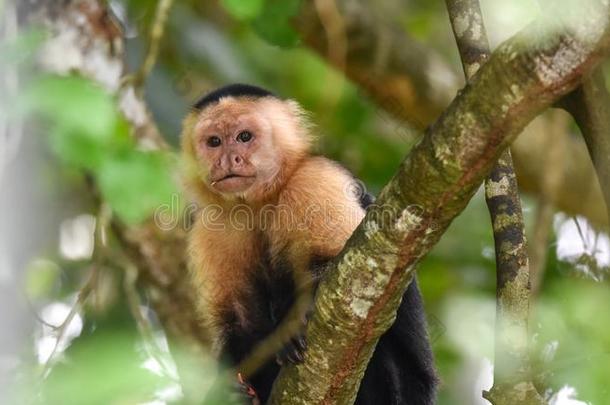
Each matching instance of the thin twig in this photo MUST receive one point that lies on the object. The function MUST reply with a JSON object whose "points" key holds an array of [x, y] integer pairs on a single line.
{"points": [[37, 315], [144, 326], [585, 243], [557, 123], [543, 225], [83, 294], [101, 223], [334, 26], [156, 34]]}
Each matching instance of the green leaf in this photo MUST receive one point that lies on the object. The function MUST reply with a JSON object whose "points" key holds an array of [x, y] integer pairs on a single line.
{"points": [[244, 9], [75, 149], [274, 24], [85, 125], [88, 132], [136, 183], [278, 33], [80, 149], [286, 8], [75, 104]]}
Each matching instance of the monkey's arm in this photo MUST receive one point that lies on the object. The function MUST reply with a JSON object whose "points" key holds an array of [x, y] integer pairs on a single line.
{"points": [[324, 211]]}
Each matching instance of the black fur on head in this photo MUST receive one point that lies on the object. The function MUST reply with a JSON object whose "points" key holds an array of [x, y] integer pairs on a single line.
{"points": [[232, 90]]}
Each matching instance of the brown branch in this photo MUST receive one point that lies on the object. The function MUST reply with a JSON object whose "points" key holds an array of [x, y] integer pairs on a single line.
{"points": [[334, 27], [512, 383], [357, 301], [589, 104], [392, 68]]}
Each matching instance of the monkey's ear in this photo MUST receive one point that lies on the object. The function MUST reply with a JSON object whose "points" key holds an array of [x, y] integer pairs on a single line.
{"points": [[188, 126], [305, 129], [303, 116]]}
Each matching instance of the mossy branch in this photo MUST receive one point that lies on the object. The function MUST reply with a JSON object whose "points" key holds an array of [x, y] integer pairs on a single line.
{"points": [[357, 302]]}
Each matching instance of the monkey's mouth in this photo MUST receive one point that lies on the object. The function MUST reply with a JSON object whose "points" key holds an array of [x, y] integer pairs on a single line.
{"points": [[231, 176], [233, 182]]}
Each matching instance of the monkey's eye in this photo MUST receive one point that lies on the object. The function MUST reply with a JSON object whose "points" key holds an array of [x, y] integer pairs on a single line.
{"points": [[244, 136], [213, 141]]}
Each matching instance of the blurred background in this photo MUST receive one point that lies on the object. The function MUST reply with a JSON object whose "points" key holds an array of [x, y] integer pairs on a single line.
{"points": [[76, 325]]}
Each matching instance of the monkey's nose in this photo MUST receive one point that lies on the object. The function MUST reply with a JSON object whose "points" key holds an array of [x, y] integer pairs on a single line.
{"points": [[236, 159]]}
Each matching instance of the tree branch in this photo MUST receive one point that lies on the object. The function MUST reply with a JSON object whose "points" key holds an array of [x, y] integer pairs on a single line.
{"points": [[154, 44], [357, 301], [414, 84], [556, 157], [394, 70], [512, 383], [589, 104]]}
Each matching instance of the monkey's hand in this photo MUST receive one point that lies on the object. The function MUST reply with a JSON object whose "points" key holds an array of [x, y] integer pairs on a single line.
{"points": [[246, 391], [293, 351]]}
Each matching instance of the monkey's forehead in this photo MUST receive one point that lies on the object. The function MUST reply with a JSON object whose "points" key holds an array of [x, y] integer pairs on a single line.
{"points": [[231, 112]]}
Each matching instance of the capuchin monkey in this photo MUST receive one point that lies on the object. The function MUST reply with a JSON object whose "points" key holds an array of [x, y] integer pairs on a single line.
{"points": [[268, 207]]}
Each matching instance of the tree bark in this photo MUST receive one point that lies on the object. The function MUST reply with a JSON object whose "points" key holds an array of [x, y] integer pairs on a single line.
{"points": [[512, 383], [357, 301]]}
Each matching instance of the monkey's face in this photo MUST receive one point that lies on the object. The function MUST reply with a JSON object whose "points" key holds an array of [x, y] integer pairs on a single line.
{"points": [[234, 145]]}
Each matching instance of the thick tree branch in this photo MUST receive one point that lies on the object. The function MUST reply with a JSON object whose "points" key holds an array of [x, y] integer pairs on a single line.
{"points": [[357, 302], [414, 84], [589, 104], [511, 366]]}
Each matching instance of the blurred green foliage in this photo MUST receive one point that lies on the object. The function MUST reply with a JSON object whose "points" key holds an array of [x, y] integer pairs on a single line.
{"points": [[86, 131], [244, 10], [104, 369], [269, 18], [572, 340]]}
